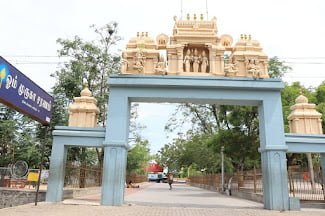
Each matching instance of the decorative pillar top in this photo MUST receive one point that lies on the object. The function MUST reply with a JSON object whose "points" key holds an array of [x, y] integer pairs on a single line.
{"points": [[301, 100], [304, 118], [84, 111], [85, 92], [303, 109]]}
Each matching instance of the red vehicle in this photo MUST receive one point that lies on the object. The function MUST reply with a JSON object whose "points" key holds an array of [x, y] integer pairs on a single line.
{"points": [[155, 173]]}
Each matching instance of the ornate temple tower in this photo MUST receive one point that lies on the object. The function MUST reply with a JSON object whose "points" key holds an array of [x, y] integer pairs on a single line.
{"points": [[195, 49], [141, 55], [252, 62]]}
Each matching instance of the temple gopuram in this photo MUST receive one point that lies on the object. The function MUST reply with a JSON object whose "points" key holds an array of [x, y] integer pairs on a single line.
{"points": [[194, 49]]}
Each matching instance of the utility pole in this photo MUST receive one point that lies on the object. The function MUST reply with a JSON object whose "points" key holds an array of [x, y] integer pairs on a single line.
{"points": [[206, 9], [222, 170], [41, 163]]}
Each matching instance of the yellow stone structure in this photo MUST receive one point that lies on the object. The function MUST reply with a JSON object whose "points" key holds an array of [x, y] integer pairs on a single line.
{"points": [[304, 118], [84, 111], [195, 49]]}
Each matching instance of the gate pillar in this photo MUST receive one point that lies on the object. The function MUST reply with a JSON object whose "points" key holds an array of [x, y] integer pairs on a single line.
{"points": [[57, 171], [304, 119], [115, 149], [273, 153]]}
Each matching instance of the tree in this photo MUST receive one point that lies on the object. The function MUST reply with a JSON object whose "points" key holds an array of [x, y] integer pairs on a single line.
{"points": [[203, 117], [91, 61], [236, 127], [220, 123], [17, 138], [320, 97], [138, 157], [187, 153], [277, 68], [8, 134], [239, 147], [288, 97]]}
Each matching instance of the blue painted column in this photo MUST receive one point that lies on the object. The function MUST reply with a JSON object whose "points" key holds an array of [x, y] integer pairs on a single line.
{"points": [[57, 171], [273, 153], [115, 149]]}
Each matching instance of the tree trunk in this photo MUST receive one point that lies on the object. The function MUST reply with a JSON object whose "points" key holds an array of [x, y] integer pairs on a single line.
{"points": [[215, 114], [100, 157], [311, 171], [82, 173]]}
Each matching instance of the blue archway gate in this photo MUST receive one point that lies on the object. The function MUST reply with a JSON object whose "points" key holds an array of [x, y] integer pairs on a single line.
{"points": [[263, 93]]}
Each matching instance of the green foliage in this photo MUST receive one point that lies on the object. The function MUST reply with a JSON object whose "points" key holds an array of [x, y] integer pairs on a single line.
{"points": [[28, 146], [320, 93], [320, 96], [138, 157], [201, 120], [91, 63], [17, 139], [88, 60], [288, 97], [234, 127], [8, 134], [321, 109], [277, 68], [191, 156], [240, 137], [240, 147]]}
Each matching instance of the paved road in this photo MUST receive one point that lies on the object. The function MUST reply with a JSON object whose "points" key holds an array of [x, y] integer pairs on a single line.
{"points": [[183, 195], [156, 200]]}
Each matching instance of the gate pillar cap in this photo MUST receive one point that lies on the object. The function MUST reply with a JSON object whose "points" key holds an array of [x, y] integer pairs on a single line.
{"points": [[301, 99], [84, 111]]}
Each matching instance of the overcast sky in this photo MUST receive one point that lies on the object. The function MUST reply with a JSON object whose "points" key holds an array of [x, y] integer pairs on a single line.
{"points": [[292, 29]]}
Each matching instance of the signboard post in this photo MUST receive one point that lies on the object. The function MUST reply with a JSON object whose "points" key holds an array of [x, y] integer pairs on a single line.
{"points": [[40, 166], [22, 94]]}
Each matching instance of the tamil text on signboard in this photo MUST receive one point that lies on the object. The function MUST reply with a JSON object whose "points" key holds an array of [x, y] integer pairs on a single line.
{"points": [[21, 93]]}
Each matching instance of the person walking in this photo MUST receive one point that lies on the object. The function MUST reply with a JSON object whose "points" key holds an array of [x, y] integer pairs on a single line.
{"points": [[170, 179]]}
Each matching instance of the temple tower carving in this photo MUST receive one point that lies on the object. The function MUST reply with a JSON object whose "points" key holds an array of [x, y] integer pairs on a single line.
{"points": [[195, 49]]}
